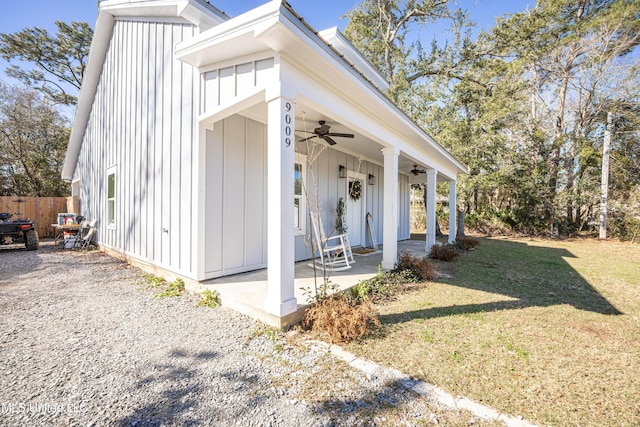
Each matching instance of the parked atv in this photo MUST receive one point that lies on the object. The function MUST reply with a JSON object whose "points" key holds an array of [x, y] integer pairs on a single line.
{"points": [[18, 231]]}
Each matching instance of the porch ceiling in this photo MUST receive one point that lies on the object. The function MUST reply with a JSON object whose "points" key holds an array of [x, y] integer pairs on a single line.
{"points": [[361, 145], [307, 119]]}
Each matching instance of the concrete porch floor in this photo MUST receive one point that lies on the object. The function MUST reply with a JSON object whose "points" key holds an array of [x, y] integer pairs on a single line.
{"points": [[247, 292]]}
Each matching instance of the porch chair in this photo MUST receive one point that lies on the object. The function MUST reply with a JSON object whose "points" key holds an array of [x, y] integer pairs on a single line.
{"points": [[83, 240], [335, 250]]}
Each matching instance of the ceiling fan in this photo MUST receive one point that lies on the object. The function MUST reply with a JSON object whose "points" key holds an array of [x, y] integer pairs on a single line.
{"points": [[417, 171], [322, 132]]}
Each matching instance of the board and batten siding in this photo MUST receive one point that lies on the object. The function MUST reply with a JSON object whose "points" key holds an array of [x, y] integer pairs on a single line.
{"points": [[222, 85], [143, 124], [236, 197]]}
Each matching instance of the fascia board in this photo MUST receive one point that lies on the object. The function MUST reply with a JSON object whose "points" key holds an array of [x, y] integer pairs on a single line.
{"points": [[334, 37], [97, 52], [208, 46], [195, 11], [204, 16]]}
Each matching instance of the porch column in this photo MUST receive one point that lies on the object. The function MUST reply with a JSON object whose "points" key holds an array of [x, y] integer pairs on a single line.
{"points": [[390, 218], [453, 210], [431, 209], [280, 240]]}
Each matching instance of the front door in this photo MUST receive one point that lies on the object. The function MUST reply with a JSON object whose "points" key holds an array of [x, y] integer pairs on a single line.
{"points": [[356, 209]]}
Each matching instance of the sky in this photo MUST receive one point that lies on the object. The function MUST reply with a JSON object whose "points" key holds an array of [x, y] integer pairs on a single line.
{"points": [[17, 15], [320, 14]]}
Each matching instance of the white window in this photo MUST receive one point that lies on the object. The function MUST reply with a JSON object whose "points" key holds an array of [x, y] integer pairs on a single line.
{"points": [[299, 202], [111, 197]]}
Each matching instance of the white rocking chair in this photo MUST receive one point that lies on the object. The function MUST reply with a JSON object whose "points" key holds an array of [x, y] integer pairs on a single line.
{"points": [[335, 250]]}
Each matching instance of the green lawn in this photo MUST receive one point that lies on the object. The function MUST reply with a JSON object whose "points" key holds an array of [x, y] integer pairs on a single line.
{"points": [[545, 329]]}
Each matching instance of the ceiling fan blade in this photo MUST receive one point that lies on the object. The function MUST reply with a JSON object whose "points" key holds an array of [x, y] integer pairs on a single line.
{"points": [[417, 171], [305, 131], [329, 140], [306, 139], [341, 135]]}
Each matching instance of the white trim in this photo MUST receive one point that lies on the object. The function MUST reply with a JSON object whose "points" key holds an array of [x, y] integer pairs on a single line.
{"points": [[302, 224], [453, 211], [112, 221], [363, 199], [75, 187], [281, 299], [153, 19], [390, 197], [245, 59], [338, 41], [430, 208], [233, 106]]}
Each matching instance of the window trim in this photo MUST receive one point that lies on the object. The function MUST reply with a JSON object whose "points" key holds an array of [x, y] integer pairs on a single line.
{"points": [[111, 221], [301, 159]]}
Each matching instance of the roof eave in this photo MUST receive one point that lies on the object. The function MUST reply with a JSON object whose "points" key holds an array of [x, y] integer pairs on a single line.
{"points": [[277, 27], [97, 51], [359, 78], [196, 11]]}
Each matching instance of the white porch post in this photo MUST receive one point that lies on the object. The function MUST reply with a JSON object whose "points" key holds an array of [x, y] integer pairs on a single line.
{"points": [[431, 209], [280, 239], [390, 220], [453, 210]]}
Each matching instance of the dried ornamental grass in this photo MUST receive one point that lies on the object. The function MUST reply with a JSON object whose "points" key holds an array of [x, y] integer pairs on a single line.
{"points": [[341, 320]]}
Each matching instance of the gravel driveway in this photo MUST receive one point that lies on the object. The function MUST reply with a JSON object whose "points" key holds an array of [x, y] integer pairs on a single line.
{"points": [[83, 342]]}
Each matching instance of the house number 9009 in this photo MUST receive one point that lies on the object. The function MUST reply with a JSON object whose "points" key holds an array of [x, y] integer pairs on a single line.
{"points": [[287, 128]]}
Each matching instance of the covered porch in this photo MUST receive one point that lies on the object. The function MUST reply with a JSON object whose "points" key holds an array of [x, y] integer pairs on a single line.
{"points": [[246, 292], [273, 91]]}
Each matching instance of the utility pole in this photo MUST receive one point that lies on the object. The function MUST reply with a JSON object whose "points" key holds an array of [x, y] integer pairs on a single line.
{"points": [[604, 182]]}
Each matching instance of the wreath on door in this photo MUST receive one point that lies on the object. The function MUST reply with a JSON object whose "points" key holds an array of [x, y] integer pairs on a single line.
{"points": [[355, 189]]}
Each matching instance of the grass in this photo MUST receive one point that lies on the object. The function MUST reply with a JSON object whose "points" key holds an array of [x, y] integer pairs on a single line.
{"points": [[548, 330]]}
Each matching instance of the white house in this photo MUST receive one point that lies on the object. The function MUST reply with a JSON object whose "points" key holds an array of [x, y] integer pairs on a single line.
{"points": [[187, 141]]}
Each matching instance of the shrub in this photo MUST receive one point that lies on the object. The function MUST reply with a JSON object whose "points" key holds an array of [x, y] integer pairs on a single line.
{"points": [[444, 252], [421, 268], [359, 292], [209, 299], [623, 224], [382, 287], [154, 281], [343, 321], [473, 221], [467, 243], [174, 289]]}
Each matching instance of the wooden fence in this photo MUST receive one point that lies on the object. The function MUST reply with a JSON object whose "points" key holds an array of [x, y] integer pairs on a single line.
{"points": [[43, 210]]}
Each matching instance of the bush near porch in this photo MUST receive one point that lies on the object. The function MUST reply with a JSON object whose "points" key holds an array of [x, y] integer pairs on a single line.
{"points": [[350, 314], [545, 329]]}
